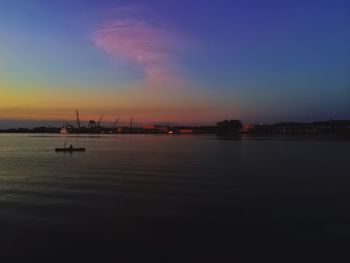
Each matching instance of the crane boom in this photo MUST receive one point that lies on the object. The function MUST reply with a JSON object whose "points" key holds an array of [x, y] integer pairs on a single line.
{"points": [[115, 123], [78, 120], [99, 121]]}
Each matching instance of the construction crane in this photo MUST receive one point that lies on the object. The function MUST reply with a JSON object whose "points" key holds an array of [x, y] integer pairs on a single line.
{"points": [[78, 120], [115, 123], [92, 124], [131, 120], [99, 121]]}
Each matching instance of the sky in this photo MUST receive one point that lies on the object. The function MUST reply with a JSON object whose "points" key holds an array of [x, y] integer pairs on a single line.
{"points": [[184, 61]]}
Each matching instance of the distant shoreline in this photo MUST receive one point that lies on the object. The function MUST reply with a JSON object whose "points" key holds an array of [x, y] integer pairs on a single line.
{"points": [[223, 128], [228, 137]]}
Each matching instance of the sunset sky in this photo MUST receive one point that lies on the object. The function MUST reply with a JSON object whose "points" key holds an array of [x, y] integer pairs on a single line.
{"points": [[185, 61]]}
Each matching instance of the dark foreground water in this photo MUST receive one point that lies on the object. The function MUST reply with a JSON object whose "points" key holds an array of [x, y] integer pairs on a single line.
{"points": [[173, 199]]}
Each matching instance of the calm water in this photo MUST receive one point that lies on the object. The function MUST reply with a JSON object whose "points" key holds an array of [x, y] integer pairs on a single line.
{"points": [[172, 198]]}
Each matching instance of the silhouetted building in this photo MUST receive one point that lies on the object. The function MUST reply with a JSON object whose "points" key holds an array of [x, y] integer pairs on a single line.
{"points": [[185, 131], [155, 129]]}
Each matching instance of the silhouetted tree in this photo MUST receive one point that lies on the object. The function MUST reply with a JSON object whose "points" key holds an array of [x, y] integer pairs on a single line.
{"points": [[228, 126]]}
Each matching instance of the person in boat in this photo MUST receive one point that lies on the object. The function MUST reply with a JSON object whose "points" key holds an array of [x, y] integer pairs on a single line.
{"points": [[70, 147]]}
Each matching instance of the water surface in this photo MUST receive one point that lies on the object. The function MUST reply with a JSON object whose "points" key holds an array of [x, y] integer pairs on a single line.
{"points": [[132, 198]]}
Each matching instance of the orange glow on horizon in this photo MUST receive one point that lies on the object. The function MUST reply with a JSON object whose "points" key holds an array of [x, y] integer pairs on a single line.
{"points": [[146, 105]]}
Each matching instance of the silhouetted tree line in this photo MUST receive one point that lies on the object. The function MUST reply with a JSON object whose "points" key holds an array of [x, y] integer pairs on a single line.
{"points": [[228, 126], [33, 130]]}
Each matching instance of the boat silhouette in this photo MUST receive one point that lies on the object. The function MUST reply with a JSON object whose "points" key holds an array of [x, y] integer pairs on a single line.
{"points": [[70, 149]]}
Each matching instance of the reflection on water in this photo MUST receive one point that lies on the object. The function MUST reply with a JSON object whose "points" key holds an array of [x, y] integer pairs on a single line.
{"points": [[171, 198]]}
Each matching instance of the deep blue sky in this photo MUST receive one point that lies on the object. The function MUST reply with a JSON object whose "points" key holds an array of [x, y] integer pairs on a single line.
{"points": [[176, 60]]}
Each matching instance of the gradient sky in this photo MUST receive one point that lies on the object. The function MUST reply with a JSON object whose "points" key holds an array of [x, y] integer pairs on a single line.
{"points": [[184, 61]]}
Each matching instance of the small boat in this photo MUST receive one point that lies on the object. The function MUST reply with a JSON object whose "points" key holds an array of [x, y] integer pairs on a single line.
{"points": [[70, 149]]}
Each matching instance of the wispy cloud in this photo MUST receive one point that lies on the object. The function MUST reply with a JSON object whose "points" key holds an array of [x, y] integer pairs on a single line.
{"points": [[151, 47]]}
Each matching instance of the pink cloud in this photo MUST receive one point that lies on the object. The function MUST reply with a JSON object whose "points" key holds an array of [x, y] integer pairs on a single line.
{"points": [[149, 46]]}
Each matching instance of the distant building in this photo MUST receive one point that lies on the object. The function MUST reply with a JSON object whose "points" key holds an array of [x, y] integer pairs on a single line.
{"points": [[294, 128], [247, 128], [256, 128], [333, 126], [185, 131], [155, 129], [66, 129]]}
